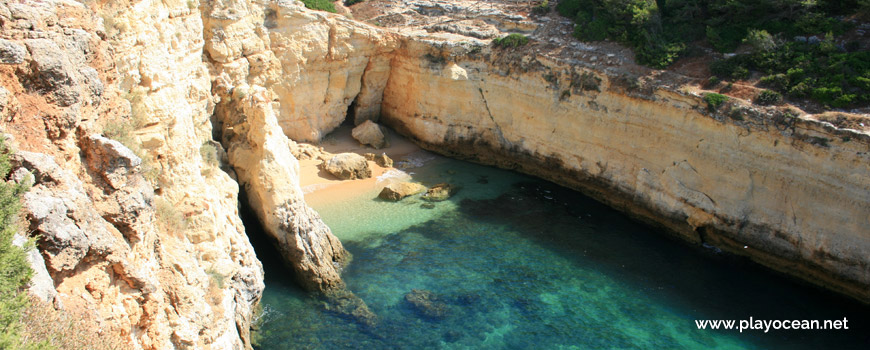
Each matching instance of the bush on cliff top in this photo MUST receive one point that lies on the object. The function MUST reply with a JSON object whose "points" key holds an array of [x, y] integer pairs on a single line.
{"points": [[714, 100], [512, 40], [779, 33], [322, 5]]}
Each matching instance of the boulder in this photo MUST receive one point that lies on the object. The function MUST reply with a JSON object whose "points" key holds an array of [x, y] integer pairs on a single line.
{"points": [[348, 166], [396, 191], [54, 74], [347, 304], [41, 285], [370, 133], [112, 160], [426, 303], [440, 192], [381, 159], [11, 52]]}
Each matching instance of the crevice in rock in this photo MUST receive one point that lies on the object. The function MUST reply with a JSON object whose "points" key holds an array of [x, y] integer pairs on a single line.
{"points": [[350, 117]]}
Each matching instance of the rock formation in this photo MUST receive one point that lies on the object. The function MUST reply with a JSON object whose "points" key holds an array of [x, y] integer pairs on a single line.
{"points": [[260, 153], [440, 192], [396, 191], [165, 269], [370, 133], [111, 107], [785, 191], [380, 159], [348, 166]]}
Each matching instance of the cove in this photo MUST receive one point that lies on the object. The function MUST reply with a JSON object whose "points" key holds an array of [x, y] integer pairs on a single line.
{"points": [[513, 262]]}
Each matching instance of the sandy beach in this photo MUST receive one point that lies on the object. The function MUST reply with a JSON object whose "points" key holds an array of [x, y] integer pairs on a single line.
{"points": [[321, 187]]}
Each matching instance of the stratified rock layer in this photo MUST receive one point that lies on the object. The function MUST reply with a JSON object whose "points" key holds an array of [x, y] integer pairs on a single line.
{"points": [[790, 193]]}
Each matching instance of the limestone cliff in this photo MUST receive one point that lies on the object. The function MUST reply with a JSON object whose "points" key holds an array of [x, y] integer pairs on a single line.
{"points": [[144, 234], [149, 244], [771, 184], [788, 192]]}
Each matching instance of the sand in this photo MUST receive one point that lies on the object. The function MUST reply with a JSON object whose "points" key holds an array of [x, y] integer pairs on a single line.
{"points": [[321, 187]]}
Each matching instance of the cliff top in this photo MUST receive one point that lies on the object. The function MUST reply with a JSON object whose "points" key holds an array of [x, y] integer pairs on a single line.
{"points": [[554, 37]]}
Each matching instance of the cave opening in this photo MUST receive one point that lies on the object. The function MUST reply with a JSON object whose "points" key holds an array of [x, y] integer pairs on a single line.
{"points": [[350, 116], [279, 271]]}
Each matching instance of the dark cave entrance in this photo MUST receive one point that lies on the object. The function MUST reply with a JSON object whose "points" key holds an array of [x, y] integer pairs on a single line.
{"points": [[350, 115]]}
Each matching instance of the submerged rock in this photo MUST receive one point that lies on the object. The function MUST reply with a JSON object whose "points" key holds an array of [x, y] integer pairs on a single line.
{"points": [[345, 303], [426, 303], [348, 166], [381, 159], [397, 191], [440, 192], [370, 133]]}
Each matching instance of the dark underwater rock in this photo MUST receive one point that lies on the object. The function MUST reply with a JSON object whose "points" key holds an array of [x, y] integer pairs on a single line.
{"points": [[426, 303]]}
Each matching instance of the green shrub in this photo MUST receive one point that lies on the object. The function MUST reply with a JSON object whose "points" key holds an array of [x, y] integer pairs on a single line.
{"points": [[713, 81], [542, 9], [14, 271], [660, 31], [351, 2], [778, 82], [512, 40], [587, 82], [714, 100], [760, 40], [730, 68], [322, 5], [768, 98]]}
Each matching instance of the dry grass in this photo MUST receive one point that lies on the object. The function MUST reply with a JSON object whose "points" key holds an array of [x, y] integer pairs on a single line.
{"points": [[47, 328], [170, 218]]}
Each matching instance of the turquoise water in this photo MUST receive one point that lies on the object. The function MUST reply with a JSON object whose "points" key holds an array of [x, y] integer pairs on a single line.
{"points": [[518, 263]]}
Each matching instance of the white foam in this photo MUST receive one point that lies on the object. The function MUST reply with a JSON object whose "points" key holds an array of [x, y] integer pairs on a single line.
{"points": [[393, 176]]}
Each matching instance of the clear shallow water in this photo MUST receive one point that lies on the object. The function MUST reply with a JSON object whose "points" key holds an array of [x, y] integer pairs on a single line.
{"points": [[518, 263]]}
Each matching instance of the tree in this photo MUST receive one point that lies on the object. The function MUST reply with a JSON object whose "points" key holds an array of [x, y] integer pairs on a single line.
{"points": [[14, 271]]}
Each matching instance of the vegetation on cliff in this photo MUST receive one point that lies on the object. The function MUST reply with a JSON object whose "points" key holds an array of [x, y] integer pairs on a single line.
{"points": [[322, 5], [14, 271], [791, 43], [512, 40]]}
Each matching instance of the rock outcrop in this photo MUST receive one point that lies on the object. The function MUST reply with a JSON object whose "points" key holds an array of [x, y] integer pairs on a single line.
{"points": [[143, 231], [260, 153], [380, 159], [369, 133], [396, 191], [169, 268], [440, 192], [348, 166], [787, 192], [426, 303]]}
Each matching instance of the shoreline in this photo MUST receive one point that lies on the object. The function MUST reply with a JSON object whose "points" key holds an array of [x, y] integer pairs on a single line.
{"points": [[321, 188]]}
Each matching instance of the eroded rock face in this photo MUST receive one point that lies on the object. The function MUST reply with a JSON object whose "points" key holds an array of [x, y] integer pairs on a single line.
{"points": [[106, 246], [112, 160], [260, 153], [759, 187], [348, 166], [314, 63], [11, 52]]}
